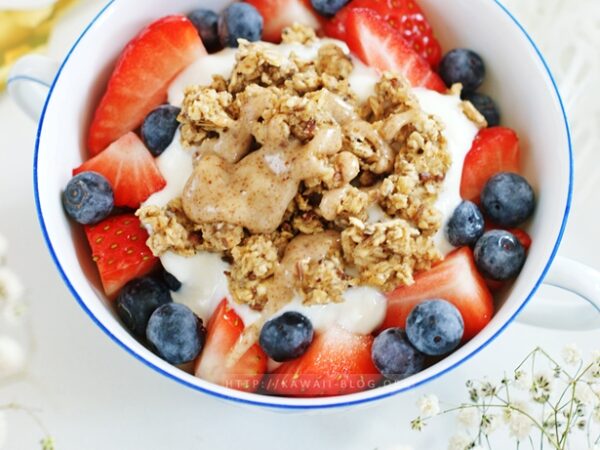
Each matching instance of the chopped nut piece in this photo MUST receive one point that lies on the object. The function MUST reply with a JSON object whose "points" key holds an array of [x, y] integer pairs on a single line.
{"points": [[473, 114]]}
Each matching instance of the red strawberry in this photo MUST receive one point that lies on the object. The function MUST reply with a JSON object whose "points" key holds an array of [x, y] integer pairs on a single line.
{"points": [[223, 330], [379, 45], [119, 250], [403, 15], [140, 79], [337, 363], [278, 14], [494, 150], [130, 169], [455, 279]]}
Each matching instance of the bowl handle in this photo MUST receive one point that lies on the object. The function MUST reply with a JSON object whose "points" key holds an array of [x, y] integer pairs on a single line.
{"points": [[29, 82], [560, 314]]}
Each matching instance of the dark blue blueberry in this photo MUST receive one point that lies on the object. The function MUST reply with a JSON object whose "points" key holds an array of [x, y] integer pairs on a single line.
{"points": [[466, 225], [328, 8], [175, 333], [171, 281], [464, 66], [499, 255], [88, 198], [486, 106], [435, 327], [159, 128], [286, 337], [138, 300], [394, 356], [206, 22], [508, 199], [240, 21]]}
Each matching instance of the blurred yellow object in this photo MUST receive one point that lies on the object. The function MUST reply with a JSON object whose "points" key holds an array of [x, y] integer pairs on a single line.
{"points": [[26, 31]]}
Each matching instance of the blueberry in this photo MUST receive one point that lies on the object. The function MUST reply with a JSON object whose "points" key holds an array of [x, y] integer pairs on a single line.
{"points": [[435, 327], [466, 225], [88, 198], [171, 281], [175, 333], [328, 8], [394, 356], [239, 21], [508, 199], [159, 128], [486, 106], [206, 22], [463, 66], [286, 337], [138, 300], [499, 255]]}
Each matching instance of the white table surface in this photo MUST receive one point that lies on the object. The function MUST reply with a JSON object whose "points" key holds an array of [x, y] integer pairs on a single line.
{"points": [[93, 396]]}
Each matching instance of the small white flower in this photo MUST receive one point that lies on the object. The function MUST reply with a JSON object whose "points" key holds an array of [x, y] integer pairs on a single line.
{"points": [[468, 418], [490, 423], [522, 380], [429, 405], [571, 354], [541, 387], [11, 288], [585, 394], [459, 441], [12, 357], [3, 429], [519, 425]]}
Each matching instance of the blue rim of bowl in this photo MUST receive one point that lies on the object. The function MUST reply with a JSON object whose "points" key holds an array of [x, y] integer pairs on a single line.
{"points": [[334, 404]]}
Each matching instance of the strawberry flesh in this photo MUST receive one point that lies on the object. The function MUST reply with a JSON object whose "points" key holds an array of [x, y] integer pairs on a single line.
{"points": [[141, 77], [130, 168], [223, 331], [456, 280], [405, 16], [494, 150], [336, 363], [119, 250], [380, 46]]}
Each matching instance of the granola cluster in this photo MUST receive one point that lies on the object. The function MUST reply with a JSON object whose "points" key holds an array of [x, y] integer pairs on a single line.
{"points": [[301, 164]]}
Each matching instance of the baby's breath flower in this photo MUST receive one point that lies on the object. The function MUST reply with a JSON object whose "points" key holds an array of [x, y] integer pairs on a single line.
{"points": [[429, 405], [417, 424], [541, 387], [585, 395], [11, 288], [47, 443], [12, 357], [468, 418], [460, 441], [3, 428], [571, 354], [519, 425], [522, 380], [489, 423], [488, 389]]}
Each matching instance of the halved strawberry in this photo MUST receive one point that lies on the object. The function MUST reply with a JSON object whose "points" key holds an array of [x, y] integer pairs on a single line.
{"points": [[278, 14], [380, 46], [130, 168], [223, 330], [405, 16], [336, 363], [494, 150], [119, 250], [455, 279], [140, 79]]}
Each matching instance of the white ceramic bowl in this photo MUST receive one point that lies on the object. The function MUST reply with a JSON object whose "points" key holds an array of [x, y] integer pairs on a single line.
{"points": [[517, 77]]}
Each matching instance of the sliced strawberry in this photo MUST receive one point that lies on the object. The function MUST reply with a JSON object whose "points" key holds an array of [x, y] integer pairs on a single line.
{"points": [[119, 250], [455, 279], [374, 41], [130, 169], [494, 150], [224, 329], [278, 14], [337, 362], [141, 76], [405, 16]]}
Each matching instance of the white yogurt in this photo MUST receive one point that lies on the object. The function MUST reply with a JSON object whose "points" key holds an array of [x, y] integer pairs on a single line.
{"points": [[459, 132]]}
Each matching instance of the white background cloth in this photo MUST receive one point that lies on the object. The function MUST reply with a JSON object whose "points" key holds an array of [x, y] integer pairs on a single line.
{"points": [[93, 396]]}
